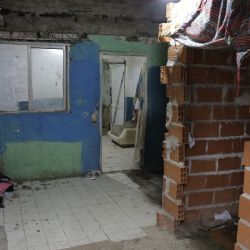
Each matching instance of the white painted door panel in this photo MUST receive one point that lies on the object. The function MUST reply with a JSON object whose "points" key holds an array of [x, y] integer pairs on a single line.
{"points": [[117, 78]]}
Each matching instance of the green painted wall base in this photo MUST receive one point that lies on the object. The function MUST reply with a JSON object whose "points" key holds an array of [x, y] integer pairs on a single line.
{"points": [[42, 160]]}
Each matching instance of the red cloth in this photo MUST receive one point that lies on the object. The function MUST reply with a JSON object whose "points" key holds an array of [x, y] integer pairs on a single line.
{"points": [[4, 186], [216, 24]]}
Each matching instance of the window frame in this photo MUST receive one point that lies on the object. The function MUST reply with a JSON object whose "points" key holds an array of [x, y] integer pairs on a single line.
{"points": [[39, 45]]}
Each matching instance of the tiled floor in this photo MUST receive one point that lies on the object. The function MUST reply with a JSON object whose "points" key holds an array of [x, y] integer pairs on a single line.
{"points": [[115, 158], [64, 213]]}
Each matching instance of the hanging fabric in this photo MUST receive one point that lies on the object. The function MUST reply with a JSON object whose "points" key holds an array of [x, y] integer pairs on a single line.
{"points": [[218, 24]]}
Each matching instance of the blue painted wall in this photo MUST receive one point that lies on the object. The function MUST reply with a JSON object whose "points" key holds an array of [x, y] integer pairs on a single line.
{"points": [[155, 123], [59, 144], [65, 127]]}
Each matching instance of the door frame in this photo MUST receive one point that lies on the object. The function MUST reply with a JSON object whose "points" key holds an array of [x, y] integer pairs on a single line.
{"points": [[145, 101], [124, 84]]}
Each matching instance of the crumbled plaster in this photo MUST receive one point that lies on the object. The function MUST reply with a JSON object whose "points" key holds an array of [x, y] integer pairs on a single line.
{"points": [[172, 143], [243, 100], [85, 17]]}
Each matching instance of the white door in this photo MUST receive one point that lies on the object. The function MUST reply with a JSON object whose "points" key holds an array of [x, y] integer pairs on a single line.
{"points": [[117, 83]]}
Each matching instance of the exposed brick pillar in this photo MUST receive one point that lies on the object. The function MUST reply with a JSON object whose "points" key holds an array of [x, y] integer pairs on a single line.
{"points": [[175, 170], [207, 124], [207, 178], [243, 238]]}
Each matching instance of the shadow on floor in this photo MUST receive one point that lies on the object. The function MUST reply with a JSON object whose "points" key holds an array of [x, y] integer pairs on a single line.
{"points": [[150, 184], [3, 239]]}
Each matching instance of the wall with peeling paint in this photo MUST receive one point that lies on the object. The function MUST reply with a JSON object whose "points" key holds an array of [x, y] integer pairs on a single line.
{"points": [[61, 144], [156, 100], [58, 144]]}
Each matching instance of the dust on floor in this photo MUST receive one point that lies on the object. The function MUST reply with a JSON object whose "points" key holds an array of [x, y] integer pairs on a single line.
{"points": [[3, 239], [71, 212], [117, 211], [156, 239]]}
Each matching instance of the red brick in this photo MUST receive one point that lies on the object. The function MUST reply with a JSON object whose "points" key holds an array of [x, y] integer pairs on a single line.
{"points": [[245, 76], [223, 76], [198, 112], [246, 155], [216, 181], [206, 94], [232, 128], [243, 234], [237, 179], [176, 209], [198, 149], [219, 57], [244, 208], [164, 29], [164, 74], [180, 132], [238, 145], [247, 128], [229, 163], [175, 74], [237, 247], [206, 74], [247, 181], [183, 54], [198, 166], [164, 184], [226, 196], [178, 114], [244, 112], [178, 74], [176, 173], [178, 93], [224, 112], [167, 222], [231, 93], [197, 56], [198, 75], [206, 129], [175, 191], [205, 215], [246, 62], [196, 183], [198, 199], [220, 146], [178, 154]]}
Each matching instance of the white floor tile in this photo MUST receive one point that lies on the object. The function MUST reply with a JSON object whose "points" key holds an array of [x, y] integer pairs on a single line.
{"points": [[50, 214], [81, 242], [1, 217], [56, 237], [59, 245], [116, 158], [51, 225], [17, 244], [75, 235], [97, 236], [36, 241], [41, 247], [77, 212], [15, 234], [118, 236]]}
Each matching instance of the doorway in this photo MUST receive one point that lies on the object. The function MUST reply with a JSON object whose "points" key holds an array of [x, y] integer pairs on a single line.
{"points": [[123, 110]]}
